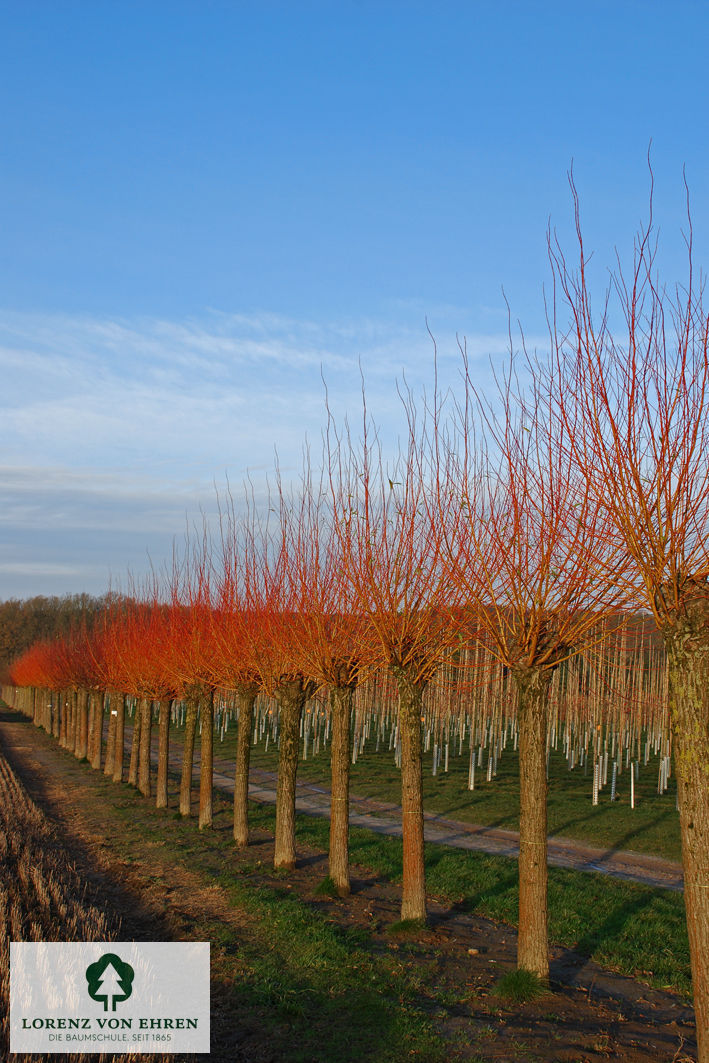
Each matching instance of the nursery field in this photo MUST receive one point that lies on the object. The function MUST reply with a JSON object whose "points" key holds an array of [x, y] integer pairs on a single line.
{"points": [[652, 826], [302, 976]]}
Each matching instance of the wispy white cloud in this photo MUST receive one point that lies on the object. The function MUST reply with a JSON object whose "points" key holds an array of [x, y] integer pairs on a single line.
{"points": [[120, 428], [41, 569]]}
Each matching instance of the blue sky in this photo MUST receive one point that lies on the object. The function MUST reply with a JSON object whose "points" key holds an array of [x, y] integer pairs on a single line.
{"points": [[204, 205]]}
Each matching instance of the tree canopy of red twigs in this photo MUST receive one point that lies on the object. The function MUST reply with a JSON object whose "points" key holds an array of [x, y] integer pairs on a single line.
{"points": [[38, 666]]}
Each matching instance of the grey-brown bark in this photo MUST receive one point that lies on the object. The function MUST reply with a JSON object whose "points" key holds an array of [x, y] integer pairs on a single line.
{"points": [[63, 697], [206, 759], [111, 735], [96, 742], [46, 711], [246, 694], [56, 713], [146, 729], [73, 706], [188, 756], [119, 744], [340, 756], [532, 943], [413, 888], [82, 725], [292, 695], [135, 746], [687, 644], [163, 752]]}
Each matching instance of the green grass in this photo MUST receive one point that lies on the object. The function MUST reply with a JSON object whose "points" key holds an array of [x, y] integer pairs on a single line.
{"points": [[406, 926], [633, 929], [519, 986], [307, 976], [327, 888]]}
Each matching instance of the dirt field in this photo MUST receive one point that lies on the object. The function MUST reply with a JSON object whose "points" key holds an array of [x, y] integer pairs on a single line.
{"points": [[589, 1015]]}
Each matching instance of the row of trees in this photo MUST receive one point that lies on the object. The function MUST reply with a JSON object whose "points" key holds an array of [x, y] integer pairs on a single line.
{"points": [[522, 520]]}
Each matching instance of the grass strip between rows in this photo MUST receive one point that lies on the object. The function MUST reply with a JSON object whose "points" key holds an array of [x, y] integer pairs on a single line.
{"points": [[635, 930]]}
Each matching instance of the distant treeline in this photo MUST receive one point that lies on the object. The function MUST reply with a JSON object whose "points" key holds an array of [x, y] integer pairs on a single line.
{"points": [[24, 622]]}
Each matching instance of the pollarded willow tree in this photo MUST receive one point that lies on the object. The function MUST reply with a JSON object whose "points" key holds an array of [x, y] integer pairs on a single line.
{"points": [[325, 638], [189, 658], [527, 544], [83, 678], [237, 638], [638, 413], [100, 680], [283, 622], [268, 601], [392, 547], [136, 637], [73, 672]]}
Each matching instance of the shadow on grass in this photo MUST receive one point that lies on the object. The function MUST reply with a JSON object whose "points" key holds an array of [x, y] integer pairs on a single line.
{"points": [[622, 842], [310, 1017], [490, 889], [625, 840], [8, 716], [612, 926]]}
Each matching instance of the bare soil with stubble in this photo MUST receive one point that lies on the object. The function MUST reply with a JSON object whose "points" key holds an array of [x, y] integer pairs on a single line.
{"points": [[44, 893], [149, 892]]}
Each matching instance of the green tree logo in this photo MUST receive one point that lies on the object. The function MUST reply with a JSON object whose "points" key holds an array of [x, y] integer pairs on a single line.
{"points": [[110, 980]]}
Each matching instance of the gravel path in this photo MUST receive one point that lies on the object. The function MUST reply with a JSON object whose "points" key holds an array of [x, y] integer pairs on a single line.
{"points": [[386, 819]]}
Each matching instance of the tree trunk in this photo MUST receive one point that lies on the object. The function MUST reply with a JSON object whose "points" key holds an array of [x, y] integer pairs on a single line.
{"points": [[292, 695], [247, 697], [340, 757], [688, 672], [73, 706], [82, 726], [146, 729], [532, 942], [135, 746], [63, 718], [163, 752], [57, 714], [97, 735], [206, 760], [413, 889], [119, 746], [69, 709], [188, 757], [91, 736], [111, 736]]}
